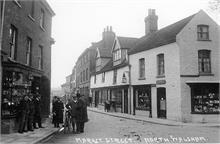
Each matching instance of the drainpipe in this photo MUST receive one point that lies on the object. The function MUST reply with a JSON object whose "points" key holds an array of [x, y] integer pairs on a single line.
{"points": [[1, 36]]}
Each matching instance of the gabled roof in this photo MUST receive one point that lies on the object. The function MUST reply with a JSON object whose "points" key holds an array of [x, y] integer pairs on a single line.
{"points": [[127, 42], [103, 49], [162, 37]]}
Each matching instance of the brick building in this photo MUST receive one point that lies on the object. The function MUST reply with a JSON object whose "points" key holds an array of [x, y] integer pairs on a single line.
{"points": [[25, 55]]}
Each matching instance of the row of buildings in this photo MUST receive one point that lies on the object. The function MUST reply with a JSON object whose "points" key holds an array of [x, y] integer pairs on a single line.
{"points": [[170, 73], [25, 47]]}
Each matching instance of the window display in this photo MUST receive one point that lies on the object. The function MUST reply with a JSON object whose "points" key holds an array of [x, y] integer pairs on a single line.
{"points": [[142, 99], [205, 99]]}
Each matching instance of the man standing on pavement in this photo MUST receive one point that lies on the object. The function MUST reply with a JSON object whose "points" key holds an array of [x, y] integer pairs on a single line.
{"points": [[37, 114], [82, 116], [31, 113], [72, 106]]}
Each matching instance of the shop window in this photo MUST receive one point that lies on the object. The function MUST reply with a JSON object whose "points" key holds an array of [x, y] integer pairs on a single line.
{"points": [[14, 86], [202, 32], [13, 41], [160, 65], [142, 99], [141, 68], [205, 99], [204, 61]]}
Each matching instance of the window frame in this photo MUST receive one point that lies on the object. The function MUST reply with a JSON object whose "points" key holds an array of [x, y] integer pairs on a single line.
{"points": [[160, 65], [115, 76], [201, 33], [29, 51], [42, 18], [13, 31], [40, 61], [142, 68], [204, 61]]}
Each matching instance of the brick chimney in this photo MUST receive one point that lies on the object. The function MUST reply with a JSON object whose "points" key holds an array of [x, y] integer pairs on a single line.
{"points": [[151, 22], [108, 36]]}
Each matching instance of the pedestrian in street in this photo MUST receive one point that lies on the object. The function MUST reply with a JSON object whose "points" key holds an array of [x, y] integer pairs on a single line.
{"points": [[37, 114], [31, 113], [57, 112], [72, 106], [82, 115], [23, 111]]}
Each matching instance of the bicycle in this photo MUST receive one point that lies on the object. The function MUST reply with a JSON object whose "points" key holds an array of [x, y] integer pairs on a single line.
{"points": [[67, 121]]}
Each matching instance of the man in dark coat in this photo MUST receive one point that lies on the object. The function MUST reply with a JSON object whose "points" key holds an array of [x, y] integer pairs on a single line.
{"points": [[37, 114], [57, 112], [82, 116], [72, 107], [23, 111], [31, 113]]}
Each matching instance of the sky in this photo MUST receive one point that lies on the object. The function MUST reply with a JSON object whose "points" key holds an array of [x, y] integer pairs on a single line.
{"points": [[78, 23]]}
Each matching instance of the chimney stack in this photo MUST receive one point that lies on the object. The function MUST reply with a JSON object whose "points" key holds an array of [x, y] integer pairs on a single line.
{"points": [[151, 22]]}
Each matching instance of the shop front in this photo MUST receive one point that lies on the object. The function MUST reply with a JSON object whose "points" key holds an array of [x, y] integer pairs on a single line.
{"points": [[142, 100], [17, 81], [205, 106]]}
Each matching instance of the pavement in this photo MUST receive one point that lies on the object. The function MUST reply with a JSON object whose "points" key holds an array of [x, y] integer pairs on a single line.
{"points": [[36, 136], [152, 120], [39, 135]]}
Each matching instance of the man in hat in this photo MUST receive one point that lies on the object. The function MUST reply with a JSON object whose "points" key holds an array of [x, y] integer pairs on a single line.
{"points": [[72, 107], [82, 116]]}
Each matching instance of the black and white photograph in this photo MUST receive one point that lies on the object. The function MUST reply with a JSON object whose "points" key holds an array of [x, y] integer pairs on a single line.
{"points": [[109, 71]]}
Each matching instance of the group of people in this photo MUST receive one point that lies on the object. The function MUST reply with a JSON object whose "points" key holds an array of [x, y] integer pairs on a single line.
{"points": [[29, 113], [77, 110]]}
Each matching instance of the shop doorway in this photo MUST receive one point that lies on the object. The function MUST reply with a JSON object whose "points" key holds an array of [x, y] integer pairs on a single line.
{"points": [[125, 100], [161, 102]]}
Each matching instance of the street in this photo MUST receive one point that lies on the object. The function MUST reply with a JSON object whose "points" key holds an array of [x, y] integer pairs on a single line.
{"points": [[108, 129]]}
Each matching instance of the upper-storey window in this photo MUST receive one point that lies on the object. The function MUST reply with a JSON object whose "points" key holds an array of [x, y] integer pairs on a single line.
{"points": [[103, 77], [42, 18], [203, 32], [160, 65], [32, 8], [13, 41], [115, 76], [40, 60], [117, 55], [28, 51], [142, 68], [204, 61]]}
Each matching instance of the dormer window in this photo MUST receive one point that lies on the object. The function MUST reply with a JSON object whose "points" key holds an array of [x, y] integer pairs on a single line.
{"points": [[202, 32], [117, 55]]}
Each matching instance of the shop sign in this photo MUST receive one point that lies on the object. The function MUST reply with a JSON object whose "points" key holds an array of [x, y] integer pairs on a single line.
{"points": [[124, 79], [160, 82]]}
